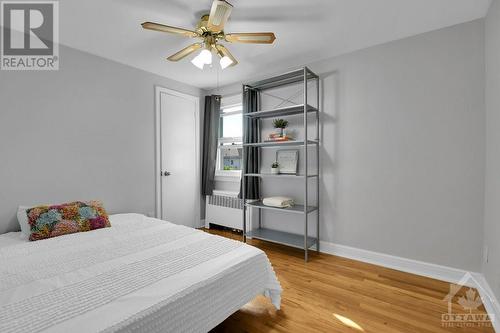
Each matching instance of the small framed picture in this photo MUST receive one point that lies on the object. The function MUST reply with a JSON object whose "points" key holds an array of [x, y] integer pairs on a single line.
{"points": [[288, 160]]}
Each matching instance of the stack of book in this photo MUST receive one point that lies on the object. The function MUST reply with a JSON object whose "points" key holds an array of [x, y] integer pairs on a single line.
{"points": [[277, 137]]}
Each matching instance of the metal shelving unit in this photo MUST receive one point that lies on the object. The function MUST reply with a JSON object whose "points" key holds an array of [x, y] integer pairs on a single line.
{"points": [[304, 241]]}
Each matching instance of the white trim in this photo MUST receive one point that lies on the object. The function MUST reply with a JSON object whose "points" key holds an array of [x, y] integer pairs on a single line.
{"points": [[439, 272], [198, 160], [489, 299], [228, 175], [434, 271], [233, 176], [157, 153], [230, 113], [231, 140], [225, 193], [158, 91]]}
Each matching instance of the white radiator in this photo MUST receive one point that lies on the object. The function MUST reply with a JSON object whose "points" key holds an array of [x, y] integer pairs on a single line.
{"points": [[225, 209]]}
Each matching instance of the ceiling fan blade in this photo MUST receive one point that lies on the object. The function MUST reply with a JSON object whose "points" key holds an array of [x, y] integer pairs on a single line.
{"points": [[251, 37], [224, 52], [167, 28], [219, 14], [185, 52]]}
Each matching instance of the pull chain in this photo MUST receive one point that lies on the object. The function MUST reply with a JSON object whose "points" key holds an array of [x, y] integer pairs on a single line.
{"points": [[217, 67]]}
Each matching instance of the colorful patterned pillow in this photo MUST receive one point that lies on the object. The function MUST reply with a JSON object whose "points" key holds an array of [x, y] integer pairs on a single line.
{"points": [[68, 218]]}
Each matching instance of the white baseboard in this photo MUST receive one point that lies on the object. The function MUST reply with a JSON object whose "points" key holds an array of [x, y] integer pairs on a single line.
{"points": [[434, 271], [489, 300], [439, 272]]}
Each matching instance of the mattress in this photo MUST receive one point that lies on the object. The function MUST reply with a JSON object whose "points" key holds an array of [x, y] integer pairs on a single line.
{"points": [[140, 275]]}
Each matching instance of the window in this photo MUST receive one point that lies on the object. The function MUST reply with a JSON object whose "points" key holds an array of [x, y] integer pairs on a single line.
{"points": [[229, 153]]}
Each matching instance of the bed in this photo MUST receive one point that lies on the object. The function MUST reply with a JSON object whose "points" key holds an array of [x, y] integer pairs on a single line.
{"points": [[140, 275]]}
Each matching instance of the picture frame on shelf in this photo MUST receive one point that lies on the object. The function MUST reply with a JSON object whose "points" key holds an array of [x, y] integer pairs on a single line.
{"points": [[288, 160]]}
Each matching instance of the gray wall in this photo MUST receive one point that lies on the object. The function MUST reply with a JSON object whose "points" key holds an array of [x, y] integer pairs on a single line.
{"points": [[83, 132], [492, 206], [403, 148], [402, 156]]}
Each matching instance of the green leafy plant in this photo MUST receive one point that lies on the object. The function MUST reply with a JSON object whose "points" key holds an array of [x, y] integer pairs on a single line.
{"points": [[275, 165], [280, 123]]}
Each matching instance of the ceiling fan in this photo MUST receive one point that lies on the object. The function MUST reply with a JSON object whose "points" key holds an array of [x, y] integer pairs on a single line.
{"points": [[210, 29]]}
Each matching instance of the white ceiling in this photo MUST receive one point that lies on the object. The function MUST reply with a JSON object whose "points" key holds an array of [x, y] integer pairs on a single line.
{"points": [[306, 30]]}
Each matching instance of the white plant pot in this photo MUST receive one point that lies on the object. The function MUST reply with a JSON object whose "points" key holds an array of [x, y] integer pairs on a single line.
{"points": [[275, 171]]}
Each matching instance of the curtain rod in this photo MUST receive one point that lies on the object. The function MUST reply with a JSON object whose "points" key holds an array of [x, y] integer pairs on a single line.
{"points": [[250, 88]]}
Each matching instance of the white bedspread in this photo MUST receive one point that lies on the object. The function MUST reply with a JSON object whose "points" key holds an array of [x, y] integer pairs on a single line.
{"points": [[140, 275]]}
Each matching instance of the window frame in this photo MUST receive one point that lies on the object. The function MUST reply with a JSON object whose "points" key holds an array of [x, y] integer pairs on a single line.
{"points": [[220, 174]]}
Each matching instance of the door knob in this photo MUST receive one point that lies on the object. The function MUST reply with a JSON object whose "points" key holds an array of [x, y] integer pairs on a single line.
{"points": [[166, 173]]}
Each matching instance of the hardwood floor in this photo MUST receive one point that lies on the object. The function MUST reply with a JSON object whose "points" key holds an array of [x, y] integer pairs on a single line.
{"points": [[334, 294]]}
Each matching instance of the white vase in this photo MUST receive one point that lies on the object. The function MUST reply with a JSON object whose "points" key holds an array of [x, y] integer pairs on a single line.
{"points": [[275, 171]]}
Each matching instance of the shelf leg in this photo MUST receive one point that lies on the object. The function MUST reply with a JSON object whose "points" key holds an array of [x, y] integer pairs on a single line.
{"points": [[306, 179], [317, 163], [306, 254], [260, 218], [243, 171], [244, 223]]}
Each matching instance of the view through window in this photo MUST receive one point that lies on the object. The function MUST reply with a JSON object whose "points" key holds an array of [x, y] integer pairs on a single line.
{"points": [[229, 156]]}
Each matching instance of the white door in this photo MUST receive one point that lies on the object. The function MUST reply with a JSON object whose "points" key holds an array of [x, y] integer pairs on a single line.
{"points": [[179, 158]]}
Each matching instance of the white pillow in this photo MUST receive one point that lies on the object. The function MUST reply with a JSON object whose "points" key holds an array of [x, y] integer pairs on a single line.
{"points": [[22, 218]]}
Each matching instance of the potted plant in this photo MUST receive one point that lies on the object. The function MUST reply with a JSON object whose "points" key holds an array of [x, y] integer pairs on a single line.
{"points": [[280, 124], [275, 168]]}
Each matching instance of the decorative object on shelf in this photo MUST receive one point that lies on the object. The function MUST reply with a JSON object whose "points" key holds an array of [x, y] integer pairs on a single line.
{"points": [[275, 168], [288, 160], [280, 124], [273, 138], [276, 137], [279, 202]]}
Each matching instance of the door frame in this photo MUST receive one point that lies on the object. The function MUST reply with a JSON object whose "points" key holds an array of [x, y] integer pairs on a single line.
{"points": [[158, 150]]}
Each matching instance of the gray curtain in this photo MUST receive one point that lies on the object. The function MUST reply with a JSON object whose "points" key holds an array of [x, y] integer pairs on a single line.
{"points": [[210, 138], [251, 135]]}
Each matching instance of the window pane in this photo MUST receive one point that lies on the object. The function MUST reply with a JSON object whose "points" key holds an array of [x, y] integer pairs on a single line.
{"points": [[231, 158], [232, 126]]}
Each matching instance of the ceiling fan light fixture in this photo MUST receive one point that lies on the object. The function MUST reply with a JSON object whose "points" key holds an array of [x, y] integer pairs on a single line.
{"points": [[210, 28], [225, 62], [206, 56], [198, 62]]}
